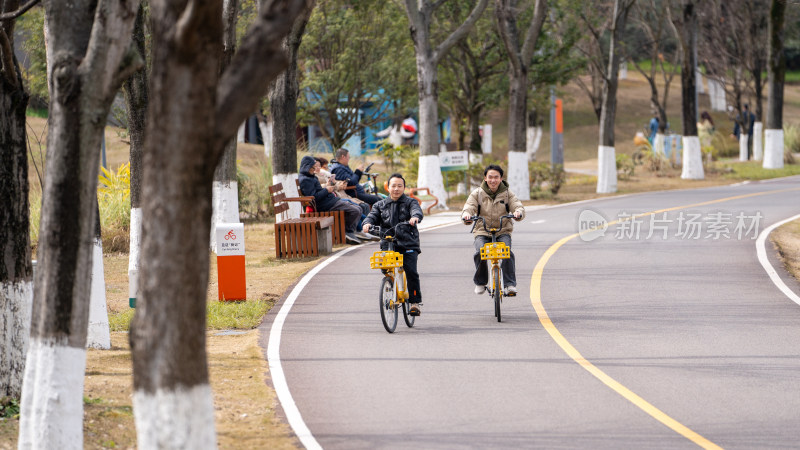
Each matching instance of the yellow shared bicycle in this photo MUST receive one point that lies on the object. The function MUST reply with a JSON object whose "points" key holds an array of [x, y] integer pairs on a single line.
{"points": [[394, 288], [493, 252]]}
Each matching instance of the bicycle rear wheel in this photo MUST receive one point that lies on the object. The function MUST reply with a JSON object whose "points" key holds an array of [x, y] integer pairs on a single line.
{"points": [[406, 316], [388, 305], [498, 292]]}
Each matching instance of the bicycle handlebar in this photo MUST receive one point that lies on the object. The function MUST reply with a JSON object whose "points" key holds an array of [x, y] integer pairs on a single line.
{"points": [[474, 221], [383, 232]]}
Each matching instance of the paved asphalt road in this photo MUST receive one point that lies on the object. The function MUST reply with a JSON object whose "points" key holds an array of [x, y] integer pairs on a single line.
{"points": [[660, 343]]}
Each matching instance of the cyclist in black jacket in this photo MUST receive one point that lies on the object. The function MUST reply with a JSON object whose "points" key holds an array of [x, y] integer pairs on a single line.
{"points": [[387, 213]]}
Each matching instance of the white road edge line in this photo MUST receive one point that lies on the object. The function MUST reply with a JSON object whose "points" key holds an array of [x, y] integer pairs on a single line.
{"points": [[285, 398], [274, 358], [761, 251], [293, 415]]}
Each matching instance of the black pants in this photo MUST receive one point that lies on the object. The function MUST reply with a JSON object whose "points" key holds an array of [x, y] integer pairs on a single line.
{"points": [[481, 277], [352, 214], [410, 268]]}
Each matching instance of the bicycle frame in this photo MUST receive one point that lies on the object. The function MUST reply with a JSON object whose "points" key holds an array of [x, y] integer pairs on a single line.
{"points": [[492, 253], [390, 263]]}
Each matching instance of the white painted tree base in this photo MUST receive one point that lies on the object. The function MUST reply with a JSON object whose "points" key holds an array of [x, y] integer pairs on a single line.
{"points": [[773, 149], [225, 206], [430, 176], [743, 147], [533, 139], [692, 159], [99, 333], [658, 144], [135, 249], [519, 181], [15, 329], [240, 133], [758, 141], [290, 189], [266, 136], [606, 170], [175, 419], [52, 397]]}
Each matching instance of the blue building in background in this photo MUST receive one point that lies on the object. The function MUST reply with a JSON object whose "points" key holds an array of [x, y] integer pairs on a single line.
{"points": [[365, 141]]}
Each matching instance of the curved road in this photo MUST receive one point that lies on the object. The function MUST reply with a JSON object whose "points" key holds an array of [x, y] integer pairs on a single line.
{"points": [[624, 339]]}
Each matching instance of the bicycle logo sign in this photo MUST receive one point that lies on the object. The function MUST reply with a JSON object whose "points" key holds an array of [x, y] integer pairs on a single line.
{"points": [[230, 235]]}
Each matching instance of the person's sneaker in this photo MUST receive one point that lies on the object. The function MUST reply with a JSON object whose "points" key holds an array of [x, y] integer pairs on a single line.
{"points": [[351, 238], [415, 309], [365, 236], [480, 289], [511, 291]]}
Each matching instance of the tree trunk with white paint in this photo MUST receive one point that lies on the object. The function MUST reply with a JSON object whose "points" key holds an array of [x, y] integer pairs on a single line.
{"points": [[658, 144], [283, 110], [533, 140], [136, 100], [758, 141], [776, 74], [692, 154], [743, 138], [99, 333], [90, 57], [16, 285], [692, 159], [266, 135], [520, 51], [420, 17], [194, 112], [606, 160], [225, 192]]}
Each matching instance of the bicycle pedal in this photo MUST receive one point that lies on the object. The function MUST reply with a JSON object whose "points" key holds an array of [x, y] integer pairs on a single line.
{"points": [[510, 294]]}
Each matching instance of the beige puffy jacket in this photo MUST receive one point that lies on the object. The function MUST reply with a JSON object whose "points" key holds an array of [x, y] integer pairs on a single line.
{"points": [[493, 209]]}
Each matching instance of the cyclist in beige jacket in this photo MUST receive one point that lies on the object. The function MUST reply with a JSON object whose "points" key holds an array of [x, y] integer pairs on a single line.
{"points": [[492, 200]]}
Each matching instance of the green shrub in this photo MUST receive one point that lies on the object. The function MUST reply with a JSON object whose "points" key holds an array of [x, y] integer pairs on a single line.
{"points": [[114, 200], [253, 190], [791, 138], [239, 315], [9, 407], [625, 166], [542, 174]]}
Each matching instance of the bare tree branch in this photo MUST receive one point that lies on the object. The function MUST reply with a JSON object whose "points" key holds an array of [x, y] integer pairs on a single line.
{"points": [[18, 12], [460, 32], [259, 59], [7, 54], [534, 30]]}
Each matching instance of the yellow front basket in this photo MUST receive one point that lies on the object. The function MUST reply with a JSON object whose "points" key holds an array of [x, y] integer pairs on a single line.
{"points": [[385, 260], [496, 250]]}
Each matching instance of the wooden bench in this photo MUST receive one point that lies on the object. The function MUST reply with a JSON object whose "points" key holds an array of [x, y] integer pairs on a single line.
{"points": [[299, 237], [418, 195], [338, 219]]}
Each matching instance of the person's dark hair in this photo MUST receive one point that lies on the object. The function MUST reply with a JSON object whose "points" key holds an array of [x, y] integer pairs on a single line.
{"points": [[341, 152], [706, 116], [396, 175], [493, 167], [746, 106], [322, 161]]}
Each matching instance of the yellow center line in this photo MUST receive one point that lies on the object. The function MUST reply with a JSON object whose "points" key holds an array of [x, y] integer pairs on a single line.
{"points": [[544, 319]]}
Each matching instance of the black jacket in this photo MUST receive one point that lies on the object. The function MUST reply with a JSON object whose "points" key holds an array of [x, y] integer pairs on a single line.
{"points": [[345, 173], [309, 184], [388, 213]]}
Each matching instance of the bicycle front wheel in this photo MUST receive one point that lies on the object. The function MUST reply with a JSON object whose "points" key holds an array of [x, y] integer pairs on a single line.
{"points": [[388, 305], [498, 292]]}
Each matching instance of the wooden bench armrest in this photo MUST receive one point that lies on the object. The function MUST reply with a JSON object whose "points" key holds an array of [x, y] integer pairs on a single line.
{"points": [[427, 197]]}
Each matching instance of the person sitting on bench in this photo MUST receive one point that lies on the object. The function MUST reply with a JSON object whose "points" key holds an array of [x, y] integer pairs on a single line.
{"points": [[325, 200]]}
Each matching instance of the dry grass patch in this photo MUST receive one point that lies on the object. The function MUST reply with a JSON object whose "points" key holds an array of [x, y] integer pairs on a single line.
{"points": [[786, 239]]}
